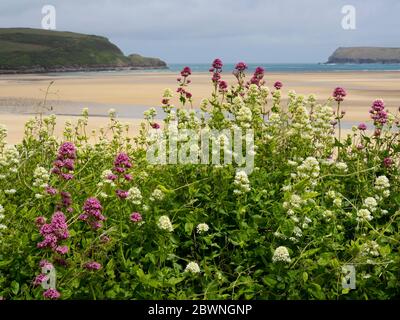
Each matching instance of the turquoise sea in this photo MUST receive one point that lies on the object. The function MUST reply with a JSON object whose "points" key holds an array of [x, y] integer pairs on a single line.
{"points": [[293, 67]]}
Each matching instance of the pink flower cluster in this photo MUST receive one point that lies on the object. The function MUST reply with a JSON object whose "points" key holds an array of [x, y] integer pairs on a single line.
{"points": [[122, 163], [278, 85], [93, 265], [136, 217], [216, 70], [183, 82], [257, 77], [93, 213], [339, 94], [54, 232], [378, 113], [65, 161], [240, 67], [239, 72], [51, 294], [388, 162]]}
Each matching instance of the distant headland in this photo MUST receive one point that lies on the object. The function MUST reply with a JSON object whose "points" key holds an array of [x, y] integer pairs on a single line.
{"points": [[365, 55], [25, 50]]}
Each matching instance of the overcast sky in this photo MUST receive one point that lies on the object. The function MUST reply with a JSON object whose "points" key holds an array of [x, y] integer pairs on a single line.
{"points": [[183, 31]]}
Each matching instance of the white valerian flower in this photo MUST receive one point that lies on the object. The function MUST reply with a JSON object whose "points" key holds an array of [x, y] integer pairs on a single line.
{"points": [[241, 182], [10, 191], [157, 195], [370, 203], [192, 267], [165, 224], [296, 201], [112, 113], [331, 194], [103, 195], [297, 232], [244, 116], [281, 254], [10, 158], [41, 177], [381, 183], [337, 202], [292, 163], [386, 193], [202, 227], [308, 168], [168, 93], [328, 214], [134, 195], [370, 248], [341, 166], [364, 214], [1, 209]]}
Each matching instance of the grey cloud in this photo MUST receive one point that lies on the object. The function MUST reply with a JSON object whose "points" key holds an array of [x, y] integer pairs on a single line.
{"points": [[199, 30]]}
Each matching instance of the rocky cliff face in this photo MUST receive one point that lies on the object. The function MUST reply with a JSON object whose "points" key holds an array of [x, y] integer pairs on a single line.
{"points": [[24, 50], [365, 55]]}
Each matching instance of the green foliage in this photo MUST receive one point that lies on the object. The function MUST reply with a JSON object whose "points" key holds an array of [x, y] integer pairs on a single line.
{"points": [[299, 200]]}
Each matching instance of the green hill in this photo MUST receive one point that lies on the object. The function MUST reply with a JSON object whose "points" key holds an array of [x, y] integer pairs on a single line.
{"points": [[36, 50], [365, 55]]}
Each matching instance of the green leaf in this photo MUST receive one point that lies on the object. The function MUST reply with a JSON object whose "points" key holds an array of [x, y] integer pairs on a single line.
{"points": [[345, 291], [305, 276], [189, 227], [15, 287], [270, 282]]}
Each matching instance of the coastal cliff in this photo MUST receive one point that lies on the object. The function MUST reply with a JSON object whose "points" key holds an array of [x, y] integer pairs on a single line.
{"points": [[24, 50], [365, 55]]}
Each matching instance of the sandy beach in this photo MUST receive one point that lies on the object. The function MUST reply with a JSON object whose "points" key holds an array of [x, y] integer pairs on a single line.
{"points": [[131, 93]]}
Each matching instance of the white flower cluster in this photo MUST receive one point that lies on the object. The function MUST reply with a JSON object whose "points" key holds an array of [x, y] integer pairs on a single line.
{"points": [[168, 93], [382, 184], [301, 125], [9, 159], [328, 215], [336, 197], [370, 248], [370, 204], [202, 228], [150, 114], [165, 224], [112, 113], [243, 114], [241, 183], [157, 195], [295, 202], [275, 119], [192, 267], [364, 214], [322, 117], [134, 195], [41, 177], [309, 168], [281, 254], [341, 166]]}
